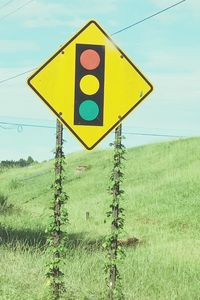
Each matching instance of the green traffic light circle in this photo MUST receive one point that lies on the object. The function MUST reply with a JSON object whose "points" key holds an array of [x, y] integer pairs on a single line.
{"points": [[88, 110]]}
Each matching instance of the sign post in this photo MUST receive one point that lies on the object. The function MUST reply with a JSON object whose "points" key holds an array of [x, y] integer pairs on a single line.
{"points": [[56, 233], [115, 226], [57, 222], [88, 83]]}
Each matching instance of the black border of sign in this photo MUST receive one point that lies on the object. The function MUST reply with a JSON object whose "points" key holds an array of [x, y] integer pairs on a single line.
{"points": [[58, 115]]}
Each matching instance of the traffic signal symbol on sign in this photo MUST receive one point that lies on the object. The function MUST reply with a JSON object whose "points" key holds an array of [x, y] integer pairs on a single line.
{"points": [[89, 85]]}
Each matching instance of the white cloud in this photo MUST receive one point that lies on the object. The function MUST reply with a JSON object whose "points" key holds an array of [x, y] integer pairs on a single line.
{"points": [[46, 22], [17, 99], [17, 45], [194, 4], [163, 3], [42, 14], [174, 60], [178, 87], [188, 5]]}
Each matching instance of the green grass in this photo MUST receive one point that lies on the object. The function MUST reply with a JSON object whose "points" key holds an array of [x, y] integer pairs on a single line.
{"points": [[162, 207]]}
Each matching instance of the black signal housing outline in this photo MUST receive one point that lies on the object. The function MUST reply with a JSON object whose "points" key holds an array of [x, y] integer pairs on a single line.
{"points": [[59, 115], [99, 73]]}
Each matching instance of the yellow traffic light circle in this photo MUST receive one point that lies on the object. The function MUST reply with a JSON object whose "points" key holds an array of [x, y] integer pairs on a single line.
{"points": [[89, 84]]}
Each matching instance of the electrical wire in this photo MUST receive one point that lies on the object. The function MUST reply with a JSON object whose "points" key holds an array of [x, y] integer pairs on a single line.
{"points": [[149, 17], [6, 128], [27, 125], [154, 134], [15, 76], [15, 10], [6, 4], [21, 125], [123, 29]]}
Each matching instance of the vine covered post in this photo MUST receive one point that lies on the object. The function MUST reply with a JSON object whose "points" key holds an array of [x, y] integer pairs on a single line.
{"points": [[57, 208], [115, 252], [58, 220]]}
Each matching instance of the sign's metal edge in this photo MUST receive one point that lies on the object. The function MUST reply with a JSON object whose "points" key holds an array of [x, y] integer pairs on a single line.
{"points": [[121, 119], [124, 55], [107, 132], [58, 115], [58, 51]]}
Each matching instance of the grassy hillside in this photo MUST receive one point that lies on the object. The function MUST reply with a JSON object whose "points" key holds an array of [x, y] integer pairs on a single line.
{"points": [[162, 185]]}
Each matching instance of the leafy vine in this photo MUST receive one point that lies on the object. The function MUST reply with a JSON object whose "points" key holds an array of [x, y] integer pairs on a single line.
{"points": [[115, 252], [57, 223]]}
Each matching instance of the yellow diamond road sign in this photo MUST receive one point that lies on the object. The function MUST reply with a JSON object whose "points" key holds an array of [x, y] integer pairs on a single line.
{"points": [[90, 85]]}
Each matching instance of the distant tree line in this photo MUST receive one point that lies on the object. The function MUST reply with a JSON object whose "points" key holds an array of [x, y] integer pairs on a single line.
{"points": [[17, 163]]}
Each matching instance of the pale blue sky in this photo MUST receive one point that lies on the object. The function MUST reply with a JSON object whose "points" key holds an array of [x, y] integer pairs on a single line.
{"points": [[166, 48]]}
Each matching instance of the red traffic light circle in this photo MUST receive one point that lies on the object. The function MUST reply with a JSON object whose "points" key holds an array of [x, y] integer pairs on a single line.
{"points": [[90, 59]]}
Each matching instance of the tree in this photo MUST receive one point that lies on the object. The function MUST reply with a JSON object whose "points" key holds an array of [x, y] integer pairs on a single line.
{"points": [[30, 160]]}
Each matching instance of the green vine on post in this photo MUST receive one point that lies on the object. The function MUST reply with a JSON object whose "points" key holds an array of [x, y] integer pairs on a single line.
{"points": [[115, 252], [58, 221]]}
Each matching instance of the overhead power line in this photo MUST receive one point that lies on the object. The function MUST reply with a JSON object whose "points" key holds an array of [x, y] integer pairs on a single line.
{"points": [[27, 125], [15, 10], [149, 17], [6, 128], [123, 29], [153, 134], [15, 76], [21, 125], [6, 4]]}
